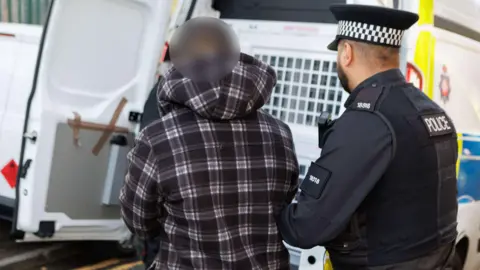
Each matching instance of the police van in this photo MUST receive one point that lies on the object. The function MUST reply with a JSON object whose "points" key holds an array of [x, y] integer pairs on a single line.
{"points": [[68, 134]]}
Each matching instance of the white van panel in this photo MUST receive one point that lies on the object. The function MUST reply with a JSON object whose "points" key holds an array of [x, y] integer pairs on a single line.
{"points": [[82, 50], [18, 54], [8, 49], [95, 53], [463, 105], [464, 12]]}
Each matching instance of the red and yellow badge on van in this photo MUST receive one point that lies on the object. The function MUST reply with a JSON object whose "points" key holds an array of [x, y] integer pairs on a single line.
{"points": [[444, 85]]}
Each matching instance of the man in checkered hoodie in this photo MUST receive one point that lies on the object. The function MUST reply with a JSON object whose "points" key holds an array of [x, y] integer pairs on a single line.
{"points": [[209, 176]]}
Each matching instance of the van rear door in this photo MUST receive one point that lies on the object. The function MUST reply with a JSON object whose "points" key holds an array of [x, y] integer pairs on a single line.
{"points": [[9, 47], [18, 54], [97, 63]]}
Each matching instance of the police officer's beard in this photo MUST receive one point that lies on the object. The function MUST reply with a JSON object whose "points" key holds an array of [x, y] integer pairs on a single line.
{"points": [[343, 78]]}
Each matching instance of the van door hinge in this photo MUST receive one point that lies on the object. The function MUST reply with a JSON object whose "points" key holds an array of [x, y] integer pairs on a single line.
{"points": [[32, 136]]}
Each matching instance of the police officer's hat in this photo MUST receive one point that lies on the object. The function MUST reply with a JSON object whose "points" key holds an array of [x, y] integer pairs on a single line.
{"points": [[371, 24]]}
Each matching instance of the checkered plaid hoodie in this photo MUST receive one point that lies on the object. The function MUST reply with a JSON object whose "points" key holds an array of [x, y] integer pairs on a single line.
{"points": [[209, 177]]}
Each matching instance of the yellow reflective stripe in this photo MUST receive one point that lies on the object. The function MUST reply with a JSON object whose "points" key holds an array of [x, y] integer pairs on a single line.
{"points": [[426, 12], [460, 151], [425, 46], [424, 59]]}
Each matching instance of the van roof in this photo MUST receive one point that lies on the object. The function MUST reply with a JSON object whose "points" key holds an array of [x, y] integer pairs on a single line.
{"points": [[23, 32]]}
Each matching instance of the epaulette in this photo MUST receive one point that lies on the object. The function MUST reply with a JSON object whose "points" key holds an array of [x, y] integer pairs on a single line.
{"points": [[367, 98]]}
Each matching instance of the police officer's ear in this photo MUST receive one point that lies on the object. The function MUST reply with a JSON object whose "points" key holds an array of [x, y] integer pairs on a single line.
{"points": [[345, 53]]}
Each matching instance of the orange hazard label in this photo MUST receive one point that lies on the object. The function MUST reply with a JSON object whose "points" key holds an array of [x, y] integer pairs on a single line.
{"points": [[10, 172]]}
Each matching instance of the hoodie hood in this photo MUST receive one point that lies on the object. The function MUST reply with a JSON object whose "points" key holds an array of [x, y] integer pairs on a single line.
{"points": [[243, 91]]}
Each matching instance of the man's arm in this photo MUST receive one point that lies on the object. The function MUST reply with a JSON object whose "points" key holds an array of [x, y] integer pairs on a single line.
{"points": [[139, 197], [354, 158]]}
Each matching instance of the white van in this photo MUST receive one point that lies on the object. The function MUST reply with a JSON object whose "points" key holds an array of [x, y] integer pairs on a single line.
{"points": [[18, 53]]}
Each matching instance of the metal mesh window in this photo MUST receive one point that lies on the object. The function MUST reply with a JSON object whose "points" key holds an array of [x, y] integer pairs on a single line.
{"points": [[305, 87]]}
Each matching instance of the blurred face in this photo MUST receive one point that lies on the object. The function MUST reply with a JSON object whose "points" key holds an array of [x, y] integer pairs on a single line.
{"points": [[203, 50], [344, 61], [203, 56], [203, 43]]}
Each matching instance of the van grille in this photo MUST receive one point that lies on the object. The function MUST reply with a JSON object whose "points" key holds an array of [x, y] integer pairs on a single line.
{"points": [[305, 88]]}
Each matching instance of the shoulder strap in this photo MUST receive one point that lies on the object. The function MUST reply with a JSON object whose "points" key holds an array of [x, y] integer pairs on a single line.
{"points": [[367, 99]]}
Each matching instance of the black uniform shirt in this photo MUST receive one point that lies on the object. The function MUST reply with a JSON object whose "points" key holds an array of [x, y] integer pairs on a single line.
{"points": [[355, 156]]}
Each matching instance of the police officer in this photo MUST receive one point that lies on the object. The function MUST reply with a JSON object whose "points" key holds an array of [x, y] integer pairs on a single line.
{"points": [[383, 193]]}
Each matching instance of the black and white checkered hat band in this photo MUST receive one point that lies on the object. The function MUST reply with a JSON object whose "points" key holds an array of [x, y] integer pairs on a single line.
{"points": [[371, 33]]}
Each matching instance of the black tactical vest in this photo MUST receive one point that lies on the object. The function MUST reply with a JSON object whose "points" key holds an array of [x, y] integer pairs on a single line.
{"points": [[412, 210]]}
